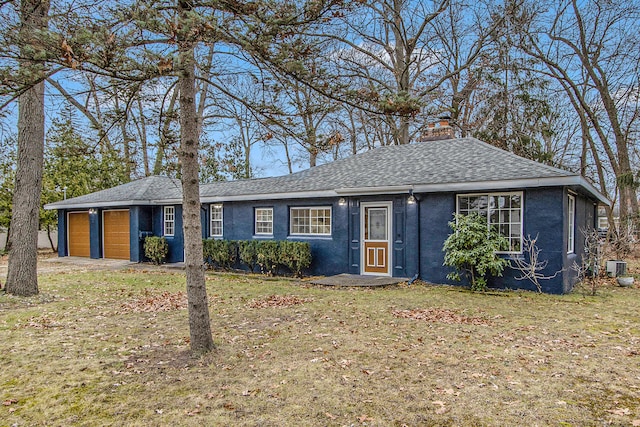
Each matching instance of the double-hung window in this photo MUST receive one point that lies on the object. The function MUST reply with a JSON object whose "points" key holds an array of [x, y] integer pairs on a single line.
{"points": [[264, 221], [314, 221], [503, 212], [216, 220], [571, 224], [169, 221]]}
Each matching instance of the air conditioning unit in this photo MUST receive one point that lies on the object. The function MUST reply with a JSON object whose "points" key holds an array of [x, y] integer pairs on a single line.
{"points": [[616, 268]]}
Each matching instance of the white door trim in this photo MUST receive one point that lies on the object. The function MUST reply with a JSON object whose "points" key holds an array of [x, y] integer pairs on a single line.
{"points": [[389, 206]]}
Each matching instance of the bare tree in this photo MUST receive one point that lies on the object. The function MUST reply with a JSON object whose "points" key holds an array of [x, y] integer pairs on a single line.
{"points": [[530, 265], [590, 49], [404, 58]]}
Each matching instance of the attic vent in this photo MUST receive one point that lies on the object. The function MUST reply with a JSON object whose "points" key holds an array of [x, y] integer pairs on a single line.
{"points": [[438, 130]]}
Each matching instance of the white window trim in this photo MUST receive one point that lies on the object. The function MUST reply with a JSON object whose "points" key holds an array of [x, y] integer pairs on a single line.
{"points": [[291, 208], [571, 224], [164, 220], [501, 193], [211, 220], [255, 222]]}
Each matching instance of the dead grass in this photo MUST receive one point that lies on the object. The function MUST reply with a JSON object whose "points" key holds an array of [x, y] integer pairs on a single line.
{"points": [[111, 348]]}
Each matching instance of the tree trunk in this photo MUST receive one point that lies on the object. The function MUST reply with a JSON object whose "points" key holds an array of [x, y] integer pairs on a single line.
{"points": [[199, 323], [22, 273], [54, 248]]}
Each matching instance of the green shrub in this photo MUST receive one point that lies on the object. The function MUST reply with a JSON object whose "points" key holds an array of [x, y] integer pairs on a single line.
{"points": [[295, 256], [471, 249], [220, 253], [156, 249], [248, 251], [268, 256]]}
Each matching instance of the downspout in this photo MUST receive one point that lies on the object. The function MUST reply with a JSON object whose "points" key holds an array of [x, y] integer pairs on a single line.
{"points": [[417, 204]]}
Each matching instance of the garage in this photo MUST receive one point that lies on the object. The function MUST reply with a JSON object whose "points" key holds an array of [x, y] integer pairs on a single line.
{"points": [[78, 235], [115, 228]]}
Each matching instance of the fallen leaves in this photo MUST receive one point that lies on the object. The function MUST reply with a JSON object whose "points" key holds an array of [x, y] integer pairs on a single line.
{"points": [[440, 316], [278, 301], [441, 406], [619, 411], [151, 302], [43, 322]]}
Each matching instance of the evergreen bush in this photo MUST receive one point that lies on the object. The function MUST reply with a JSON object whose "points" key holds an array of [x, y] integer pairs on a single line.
{"points": [[220, 253], [471, 250], [156, 249], [295, 255], [269, 256], [248, 252]]}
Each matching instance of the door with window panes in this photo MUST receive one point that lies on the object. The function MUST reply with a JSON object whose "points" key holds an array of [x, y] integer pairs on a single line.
{"points": [[376, 232]]}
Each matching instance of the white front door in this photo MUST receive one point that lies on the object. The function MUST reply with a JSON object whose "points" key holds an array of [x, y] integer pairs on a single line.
{"points": [[376, 238]]}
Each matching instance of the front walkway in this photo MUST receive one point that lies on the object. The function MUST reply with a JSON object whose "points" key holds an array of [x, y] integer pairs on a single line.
{"points": [[358, 280]]}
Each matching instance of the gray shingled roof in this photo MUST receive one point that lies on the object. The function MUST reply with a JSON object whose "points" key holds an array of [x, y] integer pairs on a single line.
{"points": [[145, 191], [434, 162], [445, 165]]}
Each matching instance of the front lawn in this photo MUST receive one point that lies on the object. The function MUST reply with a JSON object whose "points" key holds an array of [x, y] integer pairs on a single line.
{"points": [[111, 348]]}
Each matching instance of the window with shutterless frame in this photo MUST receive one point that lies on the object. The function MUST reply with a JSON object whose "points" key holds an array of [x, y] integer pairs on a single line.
{"points": [[503, 211], [571, 223], [169, 221], [310, 221], [216, 223], [263, 221]]}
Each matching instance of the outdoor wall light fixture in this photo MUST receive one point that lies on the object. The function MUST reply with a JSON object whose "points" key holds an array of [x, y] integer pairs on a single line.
{"points": [[342, 201], [412, 199], [93, 211]]}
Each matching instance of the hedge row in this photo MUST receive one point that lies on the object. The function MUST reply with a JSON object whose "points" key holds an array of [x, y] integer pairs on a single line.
{"points": [[268, 255]]}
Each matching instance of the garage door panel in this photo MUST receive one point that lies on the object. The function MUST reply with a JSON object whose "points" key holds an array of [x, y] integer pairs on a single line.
{"points": [[78, 238], [116, 234]]}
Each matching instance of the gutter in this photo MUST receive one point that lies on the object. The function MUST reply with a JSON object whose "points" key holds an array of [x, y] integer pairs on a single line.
{"points": [[574, 180], [363, 191], [82, 205]]}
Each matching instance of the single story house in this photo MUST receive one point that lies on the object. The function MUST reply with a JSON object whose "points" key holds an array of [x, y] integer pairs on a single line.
{"points": [[382, 212]]}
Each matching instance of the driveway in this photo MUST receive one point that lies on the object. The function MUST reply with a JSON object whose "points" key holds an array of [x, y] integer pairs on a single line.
{"points": [[50, 263]]}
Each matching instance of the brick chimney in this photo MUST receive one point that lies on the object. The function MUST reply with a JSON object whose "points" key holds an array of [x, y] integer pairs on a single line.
{"points": [[438, 131]]}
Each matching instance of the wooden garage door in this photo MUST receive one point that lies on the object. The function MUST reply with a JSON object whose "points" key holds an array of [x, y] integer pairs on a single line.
{"points": [[116, 234], [78, 234]]}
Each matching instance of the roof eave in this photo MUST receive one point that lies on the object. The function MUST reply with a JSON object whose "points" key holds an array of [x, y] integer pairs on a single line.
{"points": [[118, 203], [571, 180]]}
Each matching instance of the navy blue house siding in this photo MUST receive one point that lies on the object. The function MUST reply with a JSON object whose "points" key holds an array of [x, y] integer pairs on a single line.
{"points": [[140, 226], [436, 210], [334, 254], [175, 242], [330, 253], [418, 233], [62, 233], [545, 216], [586, 218]]}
